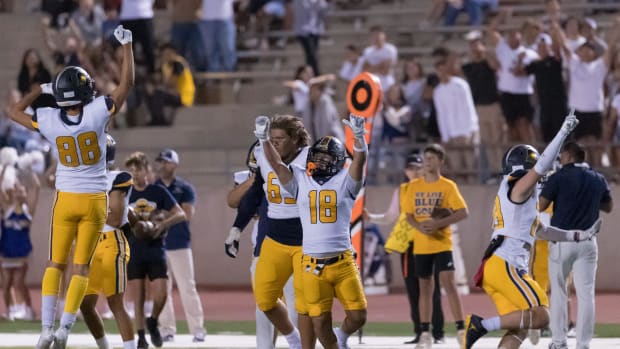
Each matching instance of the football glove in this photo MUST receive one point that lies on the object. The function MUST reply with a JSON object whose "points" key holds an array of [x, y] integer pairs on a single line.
{"points": [[570, 122], [47, 89], [231, 245], [357, 124], [122, 35], [261, 128]]}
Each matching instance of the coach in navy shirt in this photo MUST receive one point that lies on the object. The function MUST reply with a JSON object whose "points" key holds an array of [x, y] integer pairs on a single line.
{"points": [[578, 193], [179, 253]]}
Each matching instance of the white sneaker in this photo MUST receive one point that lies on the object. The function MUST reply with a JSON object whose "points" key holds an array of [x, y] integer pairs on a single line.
{"points": [[558, 346], [534, 336], [342, 338], [46, 338], [60, 338], [426, 341], [572, 332]]}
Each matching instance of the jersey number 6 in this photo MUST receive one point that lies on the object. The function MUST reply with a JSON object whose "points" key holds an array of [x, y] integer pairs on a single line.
{"points": [[325, 207], [87, 144]]}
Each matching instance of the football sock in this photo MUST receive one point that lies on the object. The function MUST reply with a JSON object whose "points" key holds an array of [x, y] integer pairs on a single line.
{"points": [[460, 325], [141, 334], [102, 343], [75, 293], [491, 324], [293, 338], [425, 326], [50, 287], [129, 344]]}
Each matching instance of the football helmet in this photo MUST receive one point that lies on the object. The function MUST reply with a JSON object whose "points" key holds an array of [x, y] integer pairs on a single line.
{"points": [[110, 149], [250, 160], [319, 169], [73, 86], [519, 157]]}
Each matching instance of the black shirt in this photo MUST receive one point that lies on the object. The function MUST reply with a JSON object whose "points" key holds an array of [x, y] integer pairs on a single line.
{"points": [[577, 193], [144, 203], [483, 82], [549, 80]]}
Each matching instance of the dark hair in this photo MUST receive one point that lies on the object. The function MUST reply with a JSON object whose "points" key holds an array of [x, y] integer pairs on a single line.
{"points": [[377, 29], [575, 150], [353, 48], [436, 149], [23, 78], [300, 70], [406, 77], [168, 46], [441, 52]]}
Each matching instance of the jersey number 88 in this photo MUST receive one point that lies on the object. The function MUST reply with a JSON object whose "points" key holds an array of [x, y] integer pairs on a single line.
{"points": [[87, 145]]}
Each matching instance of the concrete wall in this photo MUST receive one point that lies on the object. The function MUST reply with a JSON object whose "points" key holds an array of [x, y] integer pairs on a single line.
{"points": [[213, 218]]}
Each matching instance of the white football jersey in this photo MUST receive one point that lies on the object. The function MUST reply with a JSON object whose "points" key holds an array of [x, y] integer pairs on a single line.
{"points": [[325, 211], [79, 145], [119, 179], [282, 204], [241, 176]]}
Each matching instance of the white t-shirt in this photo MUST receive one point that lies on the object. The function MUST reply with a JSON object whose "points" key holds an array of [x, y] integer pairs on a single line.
{"points": [[375, 55], [585, 92], [217, 9], [456, 113], [573, 44], [301, 93], [508, 58], [349, 71], [615, 103], [136, 9]]}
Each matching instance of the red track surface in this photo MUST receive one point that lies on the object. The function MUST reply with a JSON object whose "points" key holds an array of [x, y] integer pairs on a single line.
{"points": [[235, 305]]}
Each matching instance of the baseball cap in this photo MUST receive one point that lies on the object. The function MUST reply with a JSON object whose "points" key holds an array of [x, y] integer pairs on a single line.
{"points": [[591, 22], [473, 35], [414, 160], [544, 37], [168, 155]]}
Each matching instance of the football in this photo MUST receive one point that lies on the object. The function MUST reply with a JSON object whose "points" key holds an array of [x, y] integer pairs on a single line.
{"points": [[439, 213], [144, 230]]}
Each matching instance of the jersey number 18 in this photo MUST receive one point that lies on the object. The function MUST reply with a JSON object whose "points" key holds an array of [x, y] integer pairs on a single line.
{"points": [[324, 208]]}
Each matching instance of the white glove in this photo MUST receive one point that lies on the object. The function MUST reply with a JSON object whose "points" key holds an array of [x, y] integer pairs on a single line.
{"points": [[231, 245], [261, 127], [357, 124], [122, 35], [570, 122], [47, 89]]}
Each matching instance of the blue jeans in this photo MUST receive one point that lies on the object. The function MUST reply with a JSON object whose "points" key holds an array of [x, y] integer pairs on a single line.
{"points": [[187, 39], [472, 7], [219, 42]]}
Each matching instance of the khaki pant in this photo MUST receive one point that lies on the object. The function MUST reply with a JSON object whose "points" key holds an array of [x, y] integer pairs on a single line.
{"points": [[461, 155], [492, 133]]}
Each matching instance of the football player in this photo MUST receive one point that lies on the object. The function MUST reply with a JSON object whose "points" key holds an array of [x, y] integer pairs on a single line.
{"points": [[153, 203], [326, 195], [108, 268], [520, 301], [77, 132], [280, 253]]}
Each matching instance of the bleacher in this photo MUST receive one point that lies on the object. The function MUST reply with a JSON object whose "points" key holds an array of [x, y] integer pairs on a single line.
{"points": [[213, 139]]}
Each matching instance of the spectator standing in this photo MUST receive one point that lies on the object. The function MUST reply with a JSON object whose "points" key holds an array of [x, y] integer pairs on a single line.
{"points": [[432, 236], [179, 252], [219, 35], [530, 31], [413, 82], [352, 64], [87, 22], [589, 31], [309, 24], [553, 15], [137, 16], [474, 9], [578, 194], [480, 75], [396, 116], [380, 57], [321, 116], [587, 73], [299, 88], [574, 39], [456, 117], [33, 71], [550, 87], [185, 34], [401, 241], [516, 89]]}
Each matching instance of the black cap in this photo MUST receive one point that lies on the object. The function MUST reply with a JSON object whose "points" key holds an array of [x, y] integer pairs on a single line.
{"points": [[414, 160]]}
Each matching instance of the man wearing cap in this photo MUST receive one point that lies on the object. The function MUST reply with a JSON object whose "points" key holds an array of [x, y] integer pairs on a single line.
{"points": [[401, 241], [179, 252]]}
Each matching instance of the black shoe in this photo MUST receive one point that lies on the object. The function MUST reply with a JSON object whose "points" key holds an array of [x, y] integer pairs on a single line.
{"points": [[151, 326], [473, 330], [414, 341], [142, 343]]}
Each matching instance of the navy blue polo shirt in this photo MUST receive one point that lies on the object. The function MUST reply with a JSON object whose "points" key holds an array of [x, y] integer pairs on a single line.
{"points": [[183, 192], [577, 192]]}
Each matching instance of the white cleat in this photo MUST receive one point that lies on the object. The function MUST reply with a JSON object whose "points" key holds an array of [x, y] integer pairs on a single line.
{"points": [[426, 341], [534, 336], [60, 338], [46, 339]]}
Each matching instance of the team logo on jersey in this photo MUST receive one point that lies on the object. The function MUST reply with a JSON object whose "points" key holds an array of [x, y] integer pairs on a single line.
{"points": [[144, 208]]}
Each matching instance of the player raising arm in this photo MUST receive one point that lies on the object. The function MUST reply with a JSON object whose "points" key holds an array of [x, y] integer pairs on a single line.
{"points": [[520, 301], [77, 129], [325, 197]]}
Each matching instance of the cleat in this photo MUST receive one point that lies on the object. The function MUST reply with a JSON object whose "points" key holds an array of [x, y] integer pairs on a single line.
{"points": [[199, 338], [413, 341], [60, 338], [151, 326], [142, 343], [473, 331], [46, 339], [426, 341]]}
